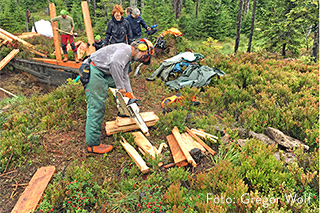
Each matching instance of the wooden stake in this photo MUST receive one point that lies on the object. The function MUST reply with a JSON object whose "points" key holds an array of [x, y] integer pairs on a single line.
{"points": [[57, 47], [200, 141], [135, 156], [143, 143], [183, 148], [88, 26], [8, 58]]}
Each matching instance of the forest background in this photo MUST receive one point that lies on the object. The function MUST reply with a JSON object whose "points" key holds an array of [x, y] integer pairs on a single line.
{"points": [[281, 26]]}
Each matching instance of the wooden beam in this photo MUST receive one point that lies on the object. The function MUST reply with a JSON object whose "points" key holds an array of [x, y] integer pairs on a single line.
{"points": [[82, 49], [71, 64], [57, 47], [112, 128], [135, 156], [127, 124], [143, 143], [126, 121], [28, 35], [8, 58], [5, 37], [88, 26], [29, 199], [177, 154], [183, 148], [200, 141]]}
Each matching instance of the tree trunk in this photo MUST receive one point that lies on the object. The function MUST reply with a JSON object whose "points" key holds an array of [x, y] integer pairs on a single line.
{"points": [[246, 7], [252, 25], [66, 2], [197, 8], [236, 46], [284, 49], [315, 47], [142, 4], [178, 8], [133, 3]]}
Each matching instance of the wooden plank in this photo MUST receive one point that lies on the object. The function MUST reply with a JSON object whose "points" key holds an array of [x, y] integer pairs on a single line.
{"points": [[8, 58], [176, 134], [71, 64], [177, 154], [200, 141], [135, 156], [56, 41], [143, 143], [88, 26], [190, 143], [29, 199], [5, 37], [112, 128], [16, 38], [204, 134], [146, 116]]}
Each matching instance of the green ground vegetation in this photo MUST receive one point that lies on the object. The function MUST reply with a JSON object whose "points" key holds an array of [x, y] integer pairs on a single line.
{"points": [[257, 92]]}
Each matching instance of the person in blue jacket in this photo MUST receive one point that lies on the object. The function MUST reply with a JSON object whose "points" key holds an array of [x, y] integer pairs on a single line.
{"points": [[135, 21]]}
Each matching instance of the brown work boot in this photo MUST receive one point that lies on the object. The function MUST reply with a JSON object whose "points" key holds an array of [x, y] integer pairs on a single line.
{"points": [[101, 149], [76, 58], [65, 58]]}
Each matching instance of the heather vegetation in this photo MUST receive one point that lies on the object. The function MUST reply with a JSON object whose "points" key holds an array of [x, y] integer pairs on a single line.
{"points": [[261, 89]]}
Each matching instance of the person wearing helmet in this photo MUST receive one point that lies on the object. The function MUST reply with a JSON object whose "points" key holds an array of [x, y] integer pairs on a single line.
{"points": [[109, 68], [67, 26], [98, 43]]}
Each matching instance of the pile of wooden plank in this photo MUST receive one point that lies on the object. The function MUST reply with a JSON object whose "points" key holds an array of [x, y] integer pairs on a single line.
{"points": [[182, 144], [12, 40], [125, 124]]}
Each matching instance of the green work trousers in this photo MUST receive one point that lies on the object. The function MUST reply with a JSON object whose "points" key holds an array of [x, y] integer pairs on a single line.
{"points": [[96, 92]]}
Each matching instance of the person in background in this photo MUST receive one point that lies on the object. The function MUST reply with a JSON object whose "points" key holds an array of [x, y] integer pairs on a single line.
{"points": [[128, 11], [66, 25], [109, 68], [118, 30], [135, 21], [98, 43]]}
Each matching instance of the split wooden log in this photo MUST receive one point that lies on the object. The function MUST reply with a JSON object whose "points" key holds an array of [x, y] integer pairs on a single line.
{"points": [[29, 199], [127, 124], [190, 143], [200, 141], [177, 154], [82, 50], [71, 64], [183, 147], [144, 144], [56, 41], [8, 58], [135, 156]]}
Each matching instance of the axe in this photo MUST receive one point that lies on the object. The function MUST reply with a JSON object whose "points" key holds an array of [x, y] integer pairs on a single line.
{"points": [[75, 35]]}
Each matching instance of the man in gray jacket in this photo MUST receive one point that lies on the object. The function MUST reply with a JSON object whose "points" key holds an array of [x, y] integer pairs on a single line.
{"points": [[109, 68]]}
